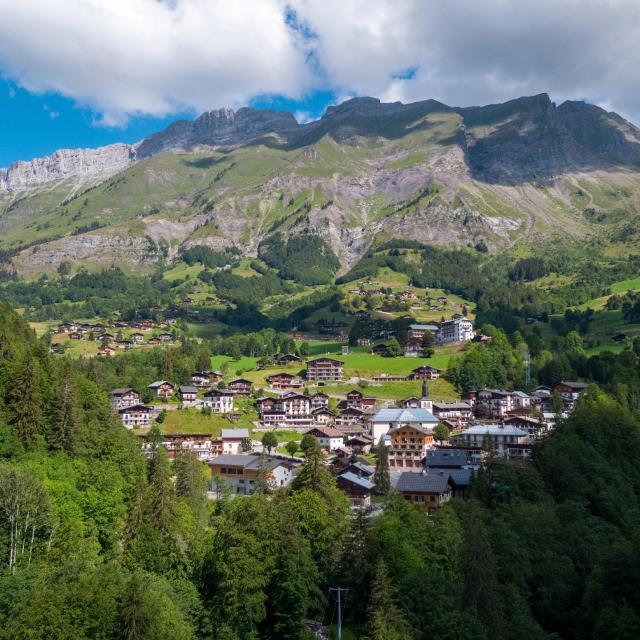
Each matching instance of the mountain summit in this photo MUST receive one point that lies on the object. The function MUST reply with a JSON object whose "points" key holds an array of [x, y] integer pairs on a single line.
{"points": [[367, 170]]}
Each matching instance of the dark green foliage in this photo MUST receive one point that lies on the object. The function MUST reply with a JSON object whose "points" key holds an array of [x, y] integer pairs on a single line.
{"points": [[307, 259], [211, 258], [381, 475]]}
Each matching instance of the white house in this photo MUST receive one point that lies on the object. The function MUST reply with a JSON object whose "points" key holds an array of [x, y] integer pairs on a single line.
{"points": [[219, 400], [327, 437], [386, 419], [456, 330], [138, 415], [232, 439]]}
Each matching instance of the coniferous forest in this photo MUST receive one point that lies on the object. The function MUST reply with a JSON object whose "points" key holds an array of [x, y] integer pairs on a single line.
{"points": [[97, 541]]}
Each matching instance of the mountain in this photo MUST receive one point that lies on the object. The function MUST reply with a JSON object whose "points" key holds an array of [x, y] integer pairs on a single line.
{"points": [[521, 171]]}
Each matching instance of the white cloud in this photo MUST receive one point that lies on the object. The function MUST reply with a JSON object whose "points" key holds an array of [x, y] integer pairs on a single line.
{"points": [[122, 57], [470, 52]]}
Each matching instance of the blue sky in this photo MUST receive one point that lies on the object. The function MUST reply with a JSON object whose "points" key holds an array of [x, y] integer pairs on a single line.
{"points": [[33, 125], [105, 71]]}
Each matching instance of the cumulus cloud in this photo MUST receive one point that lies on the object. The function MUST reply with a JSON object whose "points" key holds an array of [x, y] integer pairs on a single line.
{"points": [[123, 57]]}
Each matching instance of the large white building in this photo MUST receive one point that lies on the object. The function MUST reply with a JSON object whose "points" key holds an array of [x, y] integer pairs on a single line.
{"points": [[219, 400], [456, 330], [386, 419]]}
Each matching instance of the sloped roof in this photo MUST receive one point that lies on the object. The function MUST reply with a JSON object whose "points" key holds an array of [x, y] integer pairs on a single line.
{"points": [[494, 430], [404, 415], [234, 433], [353, 478], [423, 482]]}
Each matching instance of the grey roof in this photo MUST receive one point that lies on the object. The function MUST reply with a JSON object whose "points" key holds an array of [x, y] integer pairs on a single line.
{"points": [[494, 430], [423, 482], [460, 477], [136, 408], [234, 433], [424, 327], [158, 383], [188, 389], [444, 458], [452, 405], [520, 394], [404, 416], [120, 392], [248, 461], [365, 468], [574, 384], [362, 482]]}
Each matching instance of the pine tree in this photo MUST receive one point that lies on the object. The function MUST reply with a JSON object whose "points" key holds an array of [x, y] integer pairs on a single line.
{"points": [[136, 619], [162, 496], [381, 475], [386, 619], [135, 511], [190, 482], [26, 404], [313, 474], [264, 483], [65, 423]]}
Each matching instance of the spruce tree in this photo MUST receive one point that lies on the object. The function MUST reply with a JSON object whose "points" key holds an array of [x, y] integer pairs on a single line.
{"points": [[26, 403], [386, 621], [162, 495], [190, 481], [381, 475], [65, 419], [136, 616]]}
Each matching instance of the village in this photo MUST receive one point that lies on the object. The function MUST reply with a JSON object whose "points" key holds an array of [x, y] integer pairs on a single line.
{"points": [[433, 447]]}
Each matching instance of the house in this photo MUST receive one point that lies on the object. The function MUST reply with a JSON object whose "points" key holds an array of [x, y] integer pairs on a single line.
{"points": [[106, 352], [493, 403], [361, 469], [380, 349], [75, 335], [218, 400], [570, 391], [427, 491], [125, 344], [409, 445], [188, 394], [165, 337], [137, 338], [357, 488], [386, 419], [499, 437], [535, 427], [357, 400], [288, 358], [327, 437], [458, 413], [284, 381], [363, 342], [162, 388], [413, 348], [324, 370], [154, 341], [424, 372], [199, 443], [349, 416], [319, 400], [232, 439], [420, 330], [321, 416], [122, 398], [412, 402], [361, 443], [242, 471], [456, 330], [138, 415], [241, 387], [290, 410], [200, 379]]}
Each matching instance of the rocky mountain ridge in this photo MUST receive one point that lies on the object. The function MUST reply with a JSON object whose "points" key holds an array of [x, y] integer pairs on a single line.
{"points": [[523, 139]]}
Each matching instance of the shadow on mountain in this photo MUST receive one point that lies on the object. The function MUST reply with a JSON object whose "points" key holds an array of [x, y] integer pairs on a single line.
{"points": [[206, 163]]}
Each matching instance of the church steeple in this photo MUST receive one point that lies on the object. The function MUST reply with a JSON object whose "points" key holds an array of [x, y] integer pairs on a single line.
{"points": [[425, 400]]}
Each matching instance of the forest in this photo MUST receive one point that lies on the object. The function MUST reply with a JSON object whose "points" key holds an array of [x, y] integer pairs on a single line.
{"points": [[97, 541]]}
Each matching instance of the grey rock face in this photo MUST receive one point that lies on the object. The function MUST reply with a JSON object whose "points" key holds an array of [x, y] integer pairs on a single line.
{"points": [[67, 163]]}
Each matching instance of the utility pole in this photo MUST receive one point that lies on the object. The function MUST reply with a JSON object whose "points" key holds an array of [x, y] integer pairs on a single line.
{"points": [[339, 591]]}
